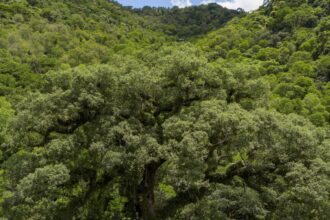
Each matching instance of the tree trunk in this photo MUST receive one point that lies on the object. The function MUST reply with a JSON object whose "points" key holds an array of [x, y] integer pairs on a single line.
{"points": [[147, 196]]}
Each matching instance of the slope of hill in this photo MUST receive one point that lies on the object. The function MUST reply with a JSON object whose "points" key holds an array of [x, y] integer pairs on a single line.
{"points": [[191, 21], [288, 45], [38, 36], [104, 114]]}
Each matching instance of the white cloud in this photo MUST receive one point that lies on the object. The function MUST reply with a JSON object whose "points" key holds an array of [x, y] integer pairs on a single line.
{"points": [[247, 5], [205, 2], [181, 3]]}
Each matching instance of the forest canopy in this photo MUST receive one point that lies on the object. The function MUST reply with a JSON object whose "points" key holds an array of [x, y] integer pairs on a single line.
{"points": [[109, 112]]}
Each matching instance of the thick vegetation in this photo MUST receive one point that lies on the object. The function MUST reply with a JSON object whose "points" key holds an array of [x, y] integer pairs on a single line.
{"points": [[108, 113], [188, 22]]}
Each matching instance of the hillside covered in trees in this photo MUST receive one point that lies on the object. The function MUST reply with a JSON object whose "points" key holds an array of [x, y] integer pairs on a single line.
{"points": [[109, 112]]}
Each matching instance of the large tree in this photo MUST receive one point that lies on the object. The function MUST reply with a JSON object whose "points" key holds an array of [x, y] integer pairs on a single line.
{"points": [[159, 141]]}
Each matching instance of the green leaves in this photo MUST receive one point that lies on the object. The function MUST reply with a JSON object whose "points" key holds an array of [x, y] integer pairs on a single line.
{"points": [[40, 194], [102, 117], [6, 112], [45, 180], [226, 202]]}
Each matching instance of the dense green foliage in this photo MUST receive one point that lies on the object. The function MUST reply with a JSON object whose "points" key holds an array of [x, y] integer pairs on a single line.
{"points": [[188, 22], [106, 113]]}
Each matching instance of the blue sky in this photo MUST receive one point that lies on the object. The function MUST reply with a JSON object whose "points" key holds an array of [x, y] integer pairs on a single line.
{"points": [[247, 5]]}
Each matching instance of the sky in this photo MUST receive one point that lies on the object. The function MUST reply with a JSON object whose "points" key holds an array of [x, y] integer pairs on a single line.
{"points": [[247, 5]]}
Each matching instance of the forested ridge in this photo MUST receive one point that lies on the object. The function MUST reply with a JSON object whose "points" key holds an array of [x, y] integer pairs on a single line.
{"points": [[109, 112]]}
